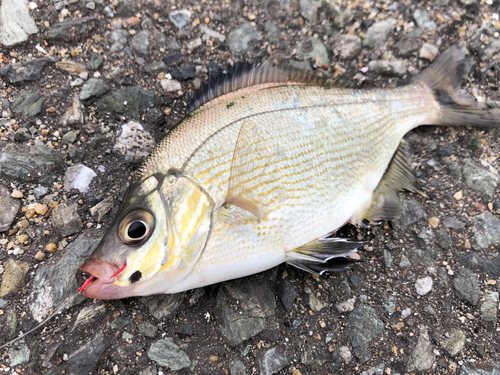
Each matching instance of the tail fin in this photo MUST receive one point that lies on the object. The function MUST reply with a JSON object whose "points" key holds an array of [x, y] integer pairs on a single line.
{"points": [[445, 77]]}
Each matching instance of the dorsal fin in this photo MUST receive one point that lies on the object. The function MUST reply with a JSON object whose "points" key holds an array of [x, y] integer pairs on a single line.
{"points": [[244, 74]]}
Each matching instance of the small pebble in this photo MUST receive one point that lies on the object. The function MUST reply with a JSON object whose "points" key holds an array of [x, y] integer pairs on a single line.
{"points": [[434, 222], [424, 285], [22, 238], [17, 194], [41, 209], [51, 247], [40, 256]]}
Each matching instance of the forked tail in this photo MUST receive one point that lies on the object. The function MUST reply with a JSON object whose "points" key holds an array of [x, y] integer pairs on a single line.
{"points": [[445, 77]]}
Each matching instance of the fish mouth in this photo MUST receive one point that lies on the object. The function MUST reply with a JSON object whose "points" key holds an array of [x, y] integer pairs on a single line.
{"points": [[100, 284]]}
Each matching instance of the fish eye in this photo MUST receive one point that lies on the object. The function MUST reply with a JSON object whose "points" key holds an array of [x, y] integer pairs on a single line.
{"points": [[136, 230], [136, 227]]}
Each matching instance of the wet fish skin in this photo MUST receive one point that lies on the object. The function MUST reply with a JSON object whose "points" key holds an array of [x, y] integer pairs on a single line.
{"points": [[255, 177]]}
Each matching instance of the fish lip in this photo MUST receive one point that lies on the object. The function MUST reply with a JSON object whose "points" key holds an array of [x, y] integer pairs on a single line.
{"points": [[105, 272]]}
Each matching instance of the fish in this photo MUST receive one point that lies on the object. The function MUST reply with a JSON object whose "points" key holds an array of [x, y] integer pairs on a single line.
{"points": [[266, 166]]}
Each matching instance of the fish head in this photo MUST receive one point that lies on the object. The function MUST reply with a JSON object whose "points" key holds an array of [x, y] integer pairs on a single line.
{"points": [[155, 241]]}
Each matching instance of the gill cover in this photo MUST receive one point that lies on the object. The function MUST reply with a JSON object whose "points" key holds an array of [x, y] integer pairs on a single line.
{"points": [[189, 215]]}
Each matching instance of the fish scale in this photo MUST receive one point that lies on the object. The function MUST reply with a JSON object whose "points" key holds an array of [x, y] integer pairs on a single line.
{"points": [[267, 166]]}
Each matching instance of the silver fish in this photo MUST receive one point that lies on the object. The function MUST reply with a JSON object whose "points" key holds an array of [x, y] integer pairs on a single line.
{"points": [[269, 164]]}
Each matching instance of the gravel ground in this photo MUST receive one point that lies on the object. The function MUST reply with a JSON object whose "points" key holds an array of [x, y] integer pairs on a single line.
{"points": [[91, 86]]}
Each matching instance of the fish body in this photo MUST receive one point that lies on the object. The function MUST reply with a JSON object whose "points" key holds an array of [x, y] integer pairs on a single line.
{"points": [[264, 174]]}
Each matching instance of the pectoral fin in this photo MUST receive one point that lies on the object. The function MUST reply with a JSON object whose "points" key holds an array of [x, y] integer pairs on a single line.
{"points": [[325, 254], [385, 204]]}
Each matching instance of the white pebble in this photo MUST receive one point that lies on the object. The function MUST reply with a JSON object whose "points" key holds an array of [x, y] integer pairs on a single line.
{"points": [[424, 285]]}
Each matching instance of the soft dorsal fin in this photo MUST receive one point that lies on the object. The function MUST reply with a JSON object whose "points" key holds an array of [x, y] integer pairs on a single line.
{"points": [[244, 74]]}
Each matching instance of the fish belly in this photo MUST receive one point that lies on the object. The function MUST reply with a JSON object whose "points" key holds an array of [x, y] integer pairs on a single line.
{"points": [[307, 169]]}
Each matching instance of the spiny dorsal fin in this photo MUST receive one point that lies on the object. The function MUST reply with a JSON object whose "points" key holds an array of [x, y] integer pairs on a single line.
{"points": [[398, 176], [244, 74]]}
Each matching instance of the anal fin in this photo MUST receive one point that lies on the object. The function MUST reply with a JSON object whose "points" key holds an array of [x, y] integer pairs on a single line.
{"points": [[325, 254], [385, 203]]}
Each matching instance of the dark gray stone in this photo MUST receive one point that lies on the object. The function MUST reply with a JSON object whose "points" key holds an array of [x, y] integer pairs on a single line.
{"points": [[365, 325], [486, 230], [161, 306], [131, 101], [237, 367], [18, 353], [454, 343], [120, 40], [469, 371], [489, 308], [273, 32], [140, 42], [452, 168], [286, 293], [95, 62], [65, 220], [388, 67], [467, 286], [183, 72], [347, 46], [378, 33], [478, 179], [313, 356], [185, 329], [8, 208], [475, 143], [314, 49], [101, 209], [3, 303], [420, 17], [256, 302], [149, 370], [74, 30], [166, 353], [272, 361], [239, 40], [308, 9], [40, 192], [412, 213], [180, 18], [25, 72], [422, 357], [154, 117], [28, 104], [12, 322], [155, 68], [453, 223], [336, 362], [38, 165], [69, 137], [55, 285], [427, 256], [125, 8], [477, 263], [84, 360], [93, 88], [376, 370], [22, 134], [407, 46], [120, 323]]}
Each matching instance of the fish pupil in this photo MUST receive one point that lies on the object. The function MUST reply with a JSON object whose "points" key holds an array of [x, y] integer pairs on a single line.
{"points": [[135, 277], [136, 230]]}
